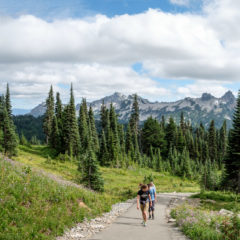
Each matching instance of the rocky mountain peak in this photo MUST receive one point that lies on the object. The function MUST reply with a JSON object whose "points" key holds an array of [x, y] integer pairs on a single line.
{"points": [[228, 96], [197, 110], [207, 96]]}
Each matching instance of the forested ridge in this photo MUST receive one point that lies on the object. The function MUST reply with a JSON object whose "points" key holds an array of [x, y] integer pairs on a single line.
{"points": [[211, 155]]}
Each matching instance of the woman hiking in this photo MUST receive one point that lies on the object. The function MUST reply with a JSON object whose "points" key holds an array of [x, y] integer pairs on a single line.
{"points": [[152, 192], [144, 199]]}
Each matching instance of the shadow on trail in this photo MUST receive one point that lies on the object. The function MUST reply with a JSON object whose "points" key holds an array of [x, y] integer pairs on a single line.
{"points": [[130, 217], [131, 224]]}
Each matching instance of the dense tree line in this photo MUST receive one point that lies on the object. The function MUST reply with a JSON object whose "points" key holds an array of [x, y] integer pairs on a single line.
{"points": [[8, 137], [161, 145], [195, 153], [30, 128]]}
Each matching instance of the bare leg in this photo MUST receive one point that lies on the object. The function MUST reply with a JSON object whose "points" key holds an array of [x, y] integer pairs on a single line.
{"points": [[145, 216]]}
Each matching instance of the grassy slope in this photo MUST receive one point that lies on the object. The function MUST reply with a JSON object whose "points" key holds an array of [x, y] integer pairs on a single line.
{"points": [[35, 207], [219, 200], [119, 183]]}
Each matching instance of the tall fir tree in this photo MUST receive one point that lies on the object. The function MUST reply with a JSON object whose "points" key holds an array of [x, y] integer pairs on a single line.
{"points": [[55, 140], [7, 132], [83, 126], [170, 133], [212, 143], [91, 176], [134, 124], [74, 139], [232, 160], [8, 102], [103, 154], [49, 115], [9, 135], [59, 116], [129, 143], [93, 130], [103, 116], [223, 141]]}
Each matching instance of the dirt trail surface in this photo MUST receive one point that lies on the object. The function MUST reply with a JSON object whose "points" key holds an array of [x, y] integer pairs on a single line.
{"points": [[128, 226]]}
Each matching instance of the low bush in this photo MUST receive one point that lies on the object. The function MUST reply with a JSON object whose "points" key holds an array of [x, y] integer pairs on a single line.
{"points": [[200, 224]]}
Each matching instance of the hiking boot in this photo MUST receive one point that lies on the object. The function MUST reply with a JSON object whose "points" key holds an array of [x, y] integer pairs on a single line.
{"points": [[150, 216], [145, 224]]}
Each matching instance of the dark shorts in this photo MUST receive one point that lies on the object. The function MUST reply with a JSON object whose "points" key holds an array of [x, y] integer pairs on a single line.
{"points": [[152, 207]]}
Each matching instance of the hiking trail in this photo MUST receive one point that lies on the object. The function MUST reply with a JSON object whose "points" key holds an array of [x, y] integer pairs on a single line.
{"points": [[128, 226]]}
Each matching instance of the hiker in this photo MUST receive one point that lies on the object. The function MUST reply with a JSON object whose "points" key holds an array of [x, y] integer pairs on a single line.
{"points": [[144, 198], [152, 191]]}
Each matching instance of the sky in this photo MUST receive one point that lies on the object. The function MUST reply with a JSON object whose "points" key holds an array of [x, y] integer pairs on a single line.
{"points": [[164, 50]]}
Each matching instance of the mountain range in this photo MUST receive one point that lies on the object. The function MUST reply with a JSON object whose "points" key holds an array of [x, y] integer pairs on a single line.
{"points": [[195, 110]]}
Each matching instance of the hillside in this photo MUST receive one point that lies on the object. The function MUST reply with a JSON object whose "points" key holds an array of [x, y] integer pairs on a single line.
{"points": [[34, 206], [196, 110]]}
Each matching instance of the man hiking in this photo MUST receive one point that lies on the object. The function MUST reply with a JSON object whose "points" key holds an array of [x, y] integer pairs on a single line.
{"points": [[144, 198], [152, 192]]}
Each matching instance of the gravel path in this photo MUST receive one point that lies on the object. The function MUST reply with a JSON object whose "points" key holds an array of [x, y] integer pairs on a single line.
{"points": [[124, 222]]}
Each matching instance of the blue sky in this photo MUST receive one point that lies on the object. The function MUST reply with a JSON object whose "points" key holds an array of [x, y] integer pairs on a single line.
{"points": [[50, 9], [164, 50]]}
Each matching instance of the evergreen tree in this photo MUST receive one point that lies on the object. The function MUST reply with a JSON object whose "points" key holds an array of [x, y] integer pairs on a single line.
{"points": [[103, 116], [223, 140], [23, 140], [170, 133], [134, 119], [91, 175], [103, 154], [83, 126], [232, 160], [9, 136], [152, 135], [129, 143], [159, 165], [162, 124], [49, 114], [186, 165], [8, 102], [212, 141], [182, 123], [134, 124], [59, 116], [73, 135], [93, 130], [181, 143], [54, 140]]}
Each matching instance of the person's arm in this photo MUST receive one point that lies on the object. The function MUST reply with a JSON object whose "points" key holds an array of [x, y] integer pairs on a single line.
{"points": [[155, 195], [138, 198], [150, 200]]}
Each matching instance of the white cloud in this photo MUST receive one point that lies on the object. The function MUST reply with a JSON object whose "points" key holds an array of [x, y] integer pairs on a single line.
{"points": [[96, 54], [195, 90], [91, 81], [180, 2]]}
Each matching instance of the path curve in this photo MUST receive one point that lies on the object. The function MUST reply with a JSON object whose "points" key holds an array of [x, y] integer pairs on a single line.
{"points": [[128, 226]]}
